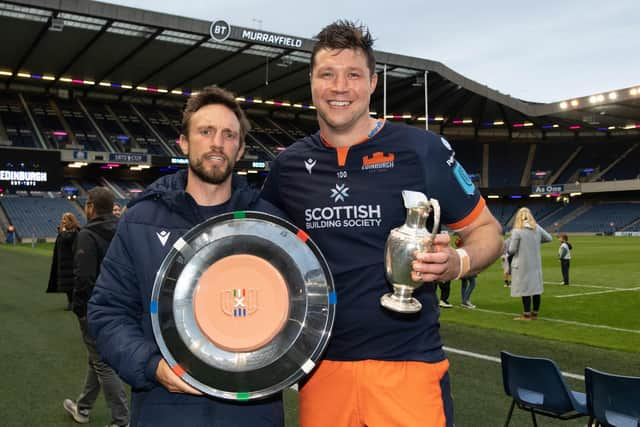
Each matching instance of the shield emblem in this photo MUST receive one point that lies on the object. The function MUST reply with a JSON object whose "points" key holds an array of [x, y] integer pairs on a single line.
{"points": [[239, 302]]}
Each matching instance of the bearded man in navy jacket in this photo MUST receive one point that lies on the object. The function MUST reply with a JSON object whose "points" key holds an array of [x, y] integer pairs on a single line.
{"points": [[214, 128]]}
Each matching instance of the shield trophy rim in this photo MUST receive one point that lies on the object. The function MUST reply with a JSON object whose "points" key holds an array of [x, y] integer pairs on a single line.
{"points": [[312, 301]]}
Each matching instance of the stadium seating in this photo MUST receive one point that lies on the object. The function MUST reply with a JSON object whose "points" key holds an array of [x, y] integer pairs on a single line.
{"points": [[554, 220], [546, 211], [627, 168], [14, 119], [603, 218], [594, 156], [506, 163], [38, 217], [108, 125], [550, 156], [504, 210], [48, 122]]}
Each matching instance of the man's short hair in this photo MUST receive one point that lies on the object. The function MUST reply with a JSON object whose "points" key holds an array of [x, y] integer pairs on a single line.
{"points": [[344, 34], [214, 95], [102, 200]]}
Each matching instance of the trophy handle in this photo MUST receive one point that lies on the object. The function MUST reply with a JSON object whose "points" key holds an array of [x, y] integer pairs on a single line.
{"points": [[432, 205]]}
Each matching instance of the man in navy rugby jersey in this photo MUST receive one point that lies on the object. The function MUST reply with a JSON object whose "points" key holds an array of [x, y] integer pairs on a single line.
{"points": [[343, 186]]}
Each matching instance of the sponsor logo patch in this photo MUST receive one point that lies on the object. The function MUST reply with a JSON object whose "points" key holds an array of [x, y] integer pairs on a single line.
{"points": [[339, 193], [342, 216], [463, 179]]}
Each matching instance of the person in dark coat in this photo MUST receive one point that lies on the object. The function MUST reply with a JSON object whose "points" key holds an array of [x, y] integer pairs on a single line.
{"points": [[61, 275], [91, 246], [11, 235]]}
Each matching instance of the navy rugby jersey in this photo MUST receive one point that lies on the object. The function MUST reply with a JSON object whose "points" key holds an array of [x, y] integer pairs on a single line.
{"points": [[348, 199]]}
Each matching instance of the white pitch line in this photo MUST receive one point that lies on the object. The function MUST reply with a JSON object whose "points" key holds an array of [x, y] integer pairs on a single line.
{"points": [[567, 322], [584, 286], [497, 360], [596, 292]]}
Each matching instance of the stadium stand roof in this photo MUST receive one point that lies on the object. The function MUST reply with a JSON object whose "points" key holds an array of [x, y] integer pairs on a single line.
{"points": [[98, 49]]}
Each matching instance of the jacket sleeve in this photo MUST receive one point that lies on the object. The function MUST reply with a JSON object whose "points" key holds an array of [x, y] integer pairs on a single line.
{"points": [[545, 237], [85, 266], [514, 243], [270, 188], [115, 316]]}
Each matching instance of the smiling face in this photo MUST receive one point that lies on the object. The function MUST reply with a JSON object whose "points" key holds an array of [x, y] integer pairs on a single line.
{"points": [[213, 145], [341, 87]]}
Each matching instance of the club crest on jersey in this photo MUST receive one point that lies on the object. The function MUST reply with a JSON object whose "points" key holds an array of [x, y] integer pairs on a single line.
{"points": [[309, 164], [378, 161], [239, 302]]}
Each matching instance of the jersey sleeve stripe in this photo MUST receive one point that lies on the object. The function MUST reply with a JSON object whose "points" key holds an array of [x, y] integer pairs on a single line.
{"points": [[469, 218]]}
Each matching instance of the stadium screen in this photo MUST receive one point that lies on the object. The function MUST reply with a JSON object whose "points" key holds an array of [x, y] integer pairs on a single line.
{"points": [[30, 170]]}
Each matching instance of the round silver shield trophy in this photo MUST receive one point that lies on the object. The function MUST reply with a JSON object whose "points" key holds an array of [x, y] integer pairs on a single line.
{"points": [[243, 305], [400, 249]]}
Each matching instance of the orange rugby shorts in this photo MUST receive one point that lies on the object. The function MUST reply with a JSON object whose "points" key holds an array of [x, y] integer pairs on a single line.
{"points": [[376, 393]]}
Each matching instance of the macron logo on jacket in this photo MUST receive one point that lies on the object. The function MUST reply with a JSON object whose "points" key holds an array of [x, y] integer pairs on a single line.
{"points": [[163, 236]]}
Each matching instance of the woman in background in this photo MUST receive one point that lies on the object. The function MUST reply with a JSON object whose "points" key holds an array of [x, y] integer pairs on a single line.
{"points": [[61, 275], [526, 265]]}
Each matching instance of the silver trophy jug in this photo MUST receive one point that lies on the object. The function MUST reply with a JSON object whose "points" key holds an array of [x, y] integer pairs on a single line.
{"points": [[402, 244]]}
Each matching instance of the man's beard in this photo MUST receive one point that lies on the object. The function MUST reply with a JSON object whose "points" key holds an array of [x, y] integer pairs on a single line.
{"points": [[214, 176]]}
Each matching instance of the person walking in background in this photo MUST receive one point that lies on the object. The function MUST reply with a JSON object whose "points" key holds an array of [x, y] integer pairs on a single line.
{"points": [[445, 291], [526, 265], [10, 238], [91, 246], [564, 253], [468, 283], [61, 275], [505, 258], [117, 210]]}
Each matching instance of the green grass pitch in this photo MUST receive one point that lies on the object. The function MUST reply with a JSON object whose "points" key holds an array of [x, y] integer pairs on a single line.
{"points": [[593, 322]]}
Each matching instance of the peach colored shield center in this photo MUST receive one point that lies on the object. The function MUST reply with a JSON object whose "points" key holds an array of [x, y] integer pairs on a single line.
{"points": [[241, 302]]}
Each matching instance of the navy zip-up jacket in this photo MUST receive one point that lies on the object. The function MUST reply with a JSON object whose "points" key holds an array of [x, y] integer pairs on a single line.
{"points": [[118, 311]]}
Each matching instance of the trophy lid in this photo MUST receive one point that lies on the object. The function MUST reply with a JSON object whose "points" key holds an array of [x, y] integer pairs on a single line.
{"points": [[413, 199]]}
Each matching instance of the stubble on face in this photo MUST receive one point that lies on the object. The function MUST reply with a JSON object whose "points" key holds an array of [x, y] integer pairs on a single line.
{"points": [[214, 175]]}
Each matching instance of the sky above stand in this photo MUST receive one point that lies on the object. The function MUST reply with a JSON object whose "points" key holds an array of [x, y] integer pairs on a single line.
{"points": [[543, 51]]}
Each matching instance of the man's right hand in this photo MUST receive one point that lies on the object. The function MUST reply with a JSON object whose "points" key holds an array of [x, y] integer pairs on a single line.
{"points": [[171, 381]]}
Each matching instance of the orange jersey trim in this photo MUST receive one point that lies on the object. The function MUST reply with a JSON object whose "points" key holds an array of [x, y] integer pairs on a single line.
{"points": [[475, 213], [342, 152]]}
